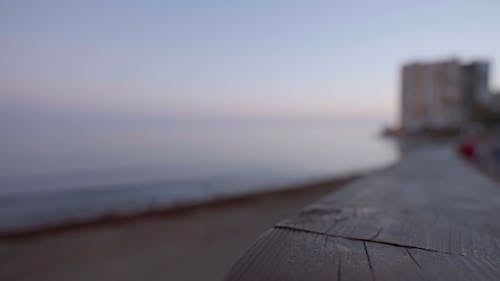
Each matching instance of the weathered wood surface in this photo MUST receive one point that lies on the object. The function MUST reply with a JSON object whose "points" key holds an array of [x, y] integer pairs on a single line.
{"points": [[431, 217]]}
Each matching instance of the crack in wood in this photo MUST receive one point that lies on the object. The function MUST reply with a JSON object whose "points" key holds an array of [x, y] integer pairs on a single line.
{"points": [[291, 228], [376, 235], [413, 258], [372, 273]]}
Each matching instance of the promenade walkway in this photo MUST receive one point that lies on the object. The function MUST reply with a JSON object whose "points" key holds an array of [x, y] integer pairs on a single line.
{"points": [[431, 217]]}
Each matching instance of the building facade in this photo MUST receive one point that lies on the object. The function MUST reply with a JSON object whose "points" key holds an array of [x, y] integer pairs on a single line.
{"points": [[441, 95]]}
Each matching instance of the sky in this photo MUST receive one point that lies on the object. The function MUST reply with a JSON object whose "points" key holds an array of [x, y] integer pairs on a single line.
{"points": [[230, 59]]}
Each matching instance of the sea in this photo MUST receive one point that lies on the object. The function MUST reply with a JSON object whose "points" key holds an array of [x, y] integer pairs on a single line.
{"points": [[60, 171]]}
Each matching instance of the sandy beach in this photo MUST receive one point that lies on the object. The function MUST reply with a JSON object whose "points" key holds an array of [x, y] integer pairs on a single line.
{"points": [[194, 243]]}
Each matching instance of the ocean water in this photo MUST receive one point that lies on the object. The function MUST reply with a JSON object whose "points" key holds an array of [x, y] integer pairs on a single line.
{"points": [[71, 172]]}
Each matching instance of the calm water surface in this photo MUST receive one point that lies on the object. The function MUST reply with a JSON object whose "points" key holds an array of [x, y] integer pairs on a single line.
{"points": [[53, 175]]}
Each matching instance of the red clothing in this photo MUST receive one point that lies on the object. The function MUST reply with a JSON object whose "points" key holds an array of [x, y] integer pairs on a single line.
{"points": [[468, 150]]}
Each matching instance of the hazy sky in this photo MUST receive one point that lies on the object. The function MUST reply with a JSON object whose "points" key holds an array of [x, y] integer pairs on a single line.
{"points": [[230, 58]]}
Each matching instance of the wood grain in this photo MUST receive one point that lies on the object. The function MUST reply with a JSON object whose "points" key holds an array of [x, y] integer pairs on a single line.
{"points": [[431, 217], [283, 254]]}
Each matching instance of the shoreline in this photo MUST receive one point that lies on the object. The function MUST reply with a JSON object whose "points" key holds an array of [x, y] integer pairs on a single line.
{"points": [[173, 210], [158, 245]]}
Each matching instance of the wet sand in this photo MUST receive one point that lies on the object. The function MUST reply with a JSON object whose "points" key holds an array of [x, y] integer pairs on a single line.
{"points": [[198, 242]]}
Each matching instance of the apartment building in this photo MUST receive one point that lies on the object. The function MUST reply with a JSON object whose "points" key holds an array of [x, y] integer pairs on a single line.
{"points": [[441, 95]]}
